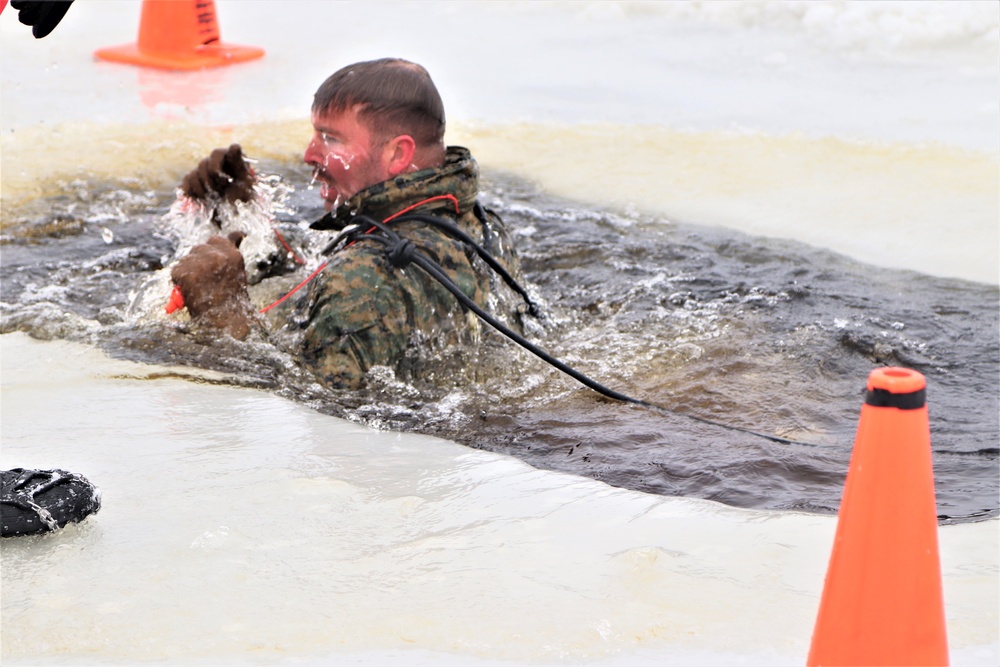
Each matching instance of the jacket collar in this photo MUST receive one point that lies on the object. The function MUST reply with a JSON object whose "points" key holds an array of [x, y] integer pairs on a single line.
{"points": [[458, 176]]}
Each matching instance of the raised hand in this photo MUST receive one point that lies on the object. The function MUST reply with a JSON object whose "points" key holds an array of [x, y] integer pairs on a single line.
{"points": [[224, 172]]}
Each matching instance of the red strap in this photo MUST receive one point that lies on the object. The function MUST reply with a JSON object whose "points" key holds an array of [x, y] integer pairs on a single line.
{"points": [[298, 260], [452, 198], [322, 266], [297, 287]]}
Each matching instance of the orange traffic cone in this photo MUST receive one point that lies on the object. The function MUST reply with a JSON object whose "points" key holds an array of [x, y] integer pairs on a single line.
{"points": [[181, 35], [882, 602]]}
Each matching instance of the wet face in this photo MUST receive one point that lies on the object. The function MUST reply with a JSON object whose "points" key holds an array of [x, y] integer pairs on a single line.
{"points": [[343, 157]]}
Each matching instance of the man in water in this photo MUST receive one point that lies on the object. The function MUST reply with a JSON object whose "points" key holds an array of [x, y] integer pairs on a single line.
{"points": [[378, 151]]}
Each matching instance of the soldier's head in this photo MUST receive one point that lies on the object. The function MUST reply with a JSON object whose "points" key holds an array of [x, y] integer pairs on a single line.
{"points": [[373, 121]]}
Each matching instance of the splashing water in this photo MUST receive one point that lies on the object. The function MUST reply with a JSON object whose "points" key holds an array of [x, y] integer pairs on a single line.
{"points": [[344, 159], [190, 222], [770, 335]]}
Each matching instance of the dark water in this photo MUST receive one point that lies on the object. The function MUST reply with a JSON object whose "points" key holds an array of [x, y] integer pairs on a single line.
{"points": [[767, 335]]}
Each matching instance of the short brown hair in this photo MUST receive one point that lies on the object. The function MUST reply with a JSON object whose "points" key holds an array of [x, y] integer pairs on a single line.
{"points": [[393, 97]]}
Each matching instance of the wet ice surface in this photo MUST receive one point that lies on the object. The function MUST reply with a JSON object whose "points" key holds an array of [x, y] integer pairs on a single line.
{"points": [[199, 582], [767, 335], [242, 528]]}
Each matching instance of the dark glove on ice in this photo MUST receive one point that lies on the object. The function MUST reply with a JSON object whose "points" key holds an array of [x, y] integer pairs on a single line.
{"points": [[213, 281], [224, 172], [42, 15]]}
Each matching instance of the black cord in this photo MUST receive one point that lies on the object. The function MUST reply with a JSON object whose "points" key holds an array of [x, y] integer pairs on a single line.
{"points": [[456, 232], [401, 252]]}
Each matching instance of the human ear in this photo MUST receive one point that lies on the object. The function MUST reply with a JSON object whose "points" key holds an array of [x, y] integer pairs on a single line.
{"points": [[399, 153]]}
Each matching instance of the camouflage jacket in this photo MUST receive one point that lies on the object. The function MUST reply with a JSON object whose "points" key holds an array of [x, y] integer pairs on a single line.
{"points": [[364, 312]]}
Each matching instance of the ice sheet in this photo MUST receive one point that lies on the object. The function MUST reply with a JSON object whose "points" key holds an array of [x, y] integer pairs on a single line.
{"points": [[238, 526], [766, 117]]}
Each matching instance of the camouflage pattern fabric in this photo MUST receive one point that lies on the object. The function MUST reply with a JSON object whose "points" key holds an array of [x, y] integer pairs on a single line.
{"points": [[364, 312]]}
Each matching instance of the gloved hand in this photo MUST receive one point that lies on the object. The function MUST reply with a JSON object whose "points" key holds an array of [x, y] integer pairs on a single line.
{"points": [[224, 172], [213, 281], [42, 15]]}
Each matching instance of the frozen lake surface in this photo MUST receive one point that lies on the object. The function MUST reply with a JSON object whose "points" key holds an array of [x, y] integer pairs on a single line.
{"points": [[239, 527], [768, 117]]}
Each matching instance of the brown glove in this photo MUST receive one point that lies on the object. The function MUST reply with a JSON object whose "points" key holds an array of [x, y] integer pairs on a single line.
{"points": [[224, 172], [213, 282]]}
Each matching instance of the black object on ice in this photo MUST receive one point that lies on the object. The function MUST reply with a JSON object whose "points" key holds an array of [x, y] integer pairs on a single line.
{"points": [[35, 501], [42, 15]]}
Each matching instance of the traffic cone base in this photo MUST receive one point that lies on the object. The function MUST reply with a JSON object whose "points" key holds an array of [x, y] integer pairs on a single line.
{"points": [[209, 55], [179, 35]]}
